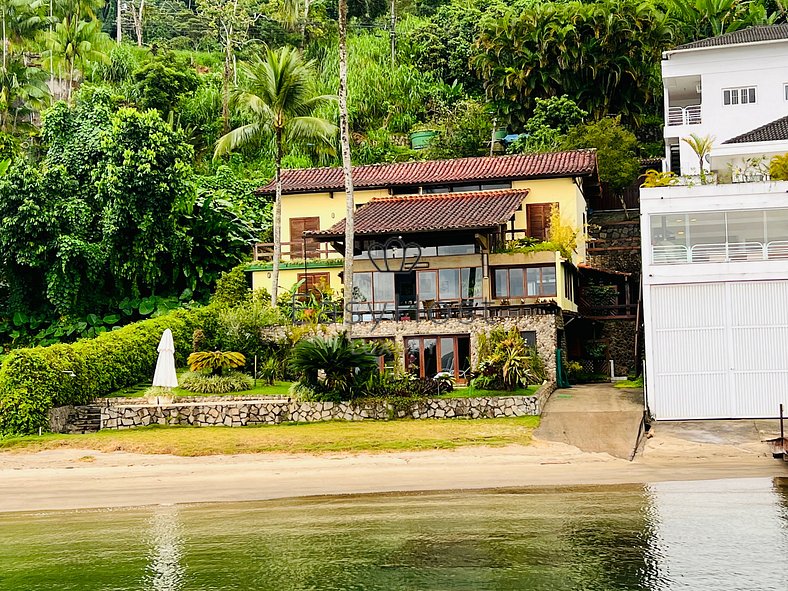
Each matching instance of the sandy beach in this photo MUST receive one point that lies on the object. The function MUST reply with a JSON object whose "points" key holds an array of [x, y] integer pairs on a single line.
{"points": [[72, 479]]}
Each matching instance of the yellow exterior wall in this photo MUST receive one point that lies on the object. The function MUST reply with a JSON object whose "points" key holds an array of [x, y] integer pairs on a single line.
{"points": [[289, 277], [571, 204], [329, 209]]}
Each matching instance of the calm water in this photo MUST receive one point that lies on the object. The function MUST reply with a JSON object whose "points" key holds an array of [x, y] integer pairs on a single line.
{"points": [[714, 535]]}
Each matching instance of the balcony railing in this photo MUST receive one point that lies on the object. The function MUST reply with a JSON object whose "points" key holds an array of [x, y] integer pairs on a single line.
{"points": [[264, 251], [724, 252], [684, 115], [331, 311]]}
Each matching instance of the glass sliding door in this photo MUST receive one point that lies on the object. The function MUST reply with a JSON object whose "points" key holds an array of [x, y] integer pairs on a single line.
{"points": [[427, 356]]}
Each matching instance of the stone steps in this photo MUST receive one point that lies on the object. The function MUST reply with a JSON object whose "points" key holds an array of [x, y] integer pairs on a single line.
{"points": [[86, 419]]}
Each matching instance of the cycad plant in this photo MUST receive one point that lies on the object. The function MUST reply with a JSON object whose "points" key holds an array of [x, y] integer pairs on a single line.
{"points": [[279, 100], [215, 361], [333, 368], [701, 145]]}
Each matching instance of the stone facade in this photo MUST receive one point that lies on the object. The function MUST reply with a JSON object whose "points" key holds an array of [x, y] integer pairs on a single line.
{"points": [[238, 413], [544, 324]]}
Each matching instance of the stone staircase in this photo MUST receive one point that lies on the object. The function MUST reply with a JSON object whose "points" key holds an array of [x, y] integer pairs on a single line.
{"points": [[86, 419]]}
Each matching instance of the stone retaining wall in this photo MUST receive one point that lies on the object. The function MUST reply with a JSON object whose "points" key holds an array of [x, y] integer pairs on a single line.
{"points": [[237, 413]]}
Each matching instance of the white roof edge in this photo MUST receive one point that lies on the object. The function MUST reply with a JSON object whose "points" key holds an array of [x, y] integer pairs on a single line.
{"points": [[668, 53]]}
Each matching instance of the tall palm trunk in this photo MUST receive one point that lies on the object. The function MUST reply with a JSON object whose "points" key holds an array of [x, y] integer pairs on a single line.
{"points": [[277, 221], [118, 24], [344, 138]]}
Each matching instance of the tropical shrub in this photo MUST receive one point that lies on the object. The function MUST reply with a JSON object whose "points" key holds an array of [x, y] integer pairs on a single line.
{"points": [[215, 361], [778, 168], [232, 288], [506, 362], [243, 329], [333, 368], [32, 381], [656, 178], [233, 381]]}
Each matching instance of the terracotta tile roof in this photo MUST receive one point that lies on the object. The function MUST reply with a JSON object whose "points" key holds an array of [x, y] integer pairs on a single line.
{"points": [[748, 35], [433, 172], [771, 132], [426, 213]]}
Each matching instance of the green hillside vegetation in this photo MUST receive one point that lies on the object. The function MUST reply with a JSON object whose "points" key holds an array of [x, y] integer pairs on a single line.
{"points": [[113, 207]]}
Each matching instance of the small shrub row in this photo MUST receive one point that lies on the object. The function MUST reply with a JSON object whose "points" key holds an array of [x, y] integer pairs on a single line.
{"points": [[233, 381], [34, 380]]}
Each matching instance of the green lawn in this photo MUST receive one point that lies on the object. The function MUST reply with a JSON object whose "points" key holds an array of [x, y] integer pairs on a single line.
{"points": [[325, 437], [469, 392], [637, 383]]}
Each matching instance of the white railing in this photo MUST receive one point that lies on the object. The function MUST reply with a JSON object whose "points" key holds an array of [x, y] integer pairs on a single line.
{"points": [[684, 115], [722, 252]]}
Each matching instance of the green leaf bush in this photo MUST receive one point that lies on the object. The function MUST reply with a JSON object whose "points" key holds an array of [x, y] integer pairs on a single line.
{"points": [[233, 381], [32, 381]]}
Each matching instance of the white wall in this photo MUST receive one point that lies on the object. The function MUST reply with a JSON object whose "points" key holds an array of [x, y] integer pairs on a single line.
{"points": [[764, 66]]}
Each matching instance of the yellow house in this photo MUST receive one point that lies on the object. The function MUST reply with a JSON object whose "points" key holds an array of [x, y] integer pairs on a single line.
{"points": [[437, 242]]}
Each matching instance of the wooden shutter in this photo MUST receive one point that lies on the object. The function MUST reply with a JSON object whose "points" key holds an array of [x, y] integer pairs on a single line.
{"points": [[297, 228], [538, 221], [314, 281]]}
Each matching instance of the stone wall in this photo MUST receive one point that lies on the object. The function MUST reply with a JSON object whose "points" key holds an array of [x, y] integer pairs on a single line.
{"points": [[238, 413], [615, 241]]}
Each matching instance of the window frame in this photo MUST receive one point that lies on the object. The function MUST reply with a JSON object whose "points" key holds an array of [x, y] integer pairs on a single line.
{"points": [[526, 293], [738, 92]]}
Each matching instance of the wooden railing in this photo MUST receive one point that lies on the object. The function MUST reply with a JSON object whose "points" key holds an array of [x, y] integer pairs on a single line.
{"points": [[264, 251]]}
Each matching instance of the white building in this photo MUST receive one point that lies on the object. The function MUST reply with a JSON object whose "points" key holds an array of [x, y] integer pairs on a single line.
{"points": [[715, 299], [715, 256], [727, 87]]}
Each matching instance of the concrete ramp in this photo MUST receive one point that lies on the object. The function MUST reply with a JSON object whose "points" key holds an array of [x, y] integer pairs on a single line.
{"points": [[594, 418]]}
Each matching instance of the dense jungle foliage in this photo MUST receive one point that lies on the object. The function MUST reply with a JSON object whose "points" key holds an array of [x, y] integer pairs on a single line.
{"points": [[113, 207]]}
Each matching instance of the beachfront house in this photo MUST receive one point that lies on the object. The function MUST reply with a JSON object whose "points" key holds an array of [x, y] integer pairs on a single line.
{"points": [[443, 249], [715, 254]]}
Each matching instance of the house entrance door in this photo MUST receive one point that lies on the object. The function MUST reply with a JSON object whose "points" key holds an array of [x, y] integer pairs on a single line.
{"points": [[428, 355]]}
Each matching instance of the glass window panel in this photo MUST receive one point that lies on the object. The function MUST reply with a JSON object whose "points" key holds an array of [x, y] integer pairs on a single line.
{"points": [[777, 225], [449, 284], [726, 97], [427, 287], [516, 285], [384, 287], [751, 93], [706, 237], [464, 188], [669, 230], [430, 357], [745, 226], [456, 249], [412, 357], [548, 281], [501, 286], [534, 280], [362, 287], [529, 336], [428, 251], [494, 186], [447, 354], [471, 282]]}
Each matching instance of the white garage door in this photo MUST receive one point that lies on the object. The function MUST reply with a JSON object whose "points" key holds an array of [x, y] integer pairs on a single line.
{"points": [[719, 350]]}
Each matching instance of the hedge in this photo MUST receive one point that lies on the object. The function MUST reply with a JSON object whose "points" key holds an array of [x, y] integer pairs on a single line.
{"points": [[32, 381]]}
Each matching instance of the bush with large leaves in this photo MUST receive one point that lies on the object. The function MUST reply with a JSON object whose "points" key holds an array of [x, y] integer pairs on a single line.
{"points": [[333, 368]]}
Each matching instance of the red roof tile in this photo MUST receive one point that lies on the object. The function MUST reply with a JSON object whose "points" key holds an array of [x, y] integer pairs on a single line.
{"points": [[432, 172], [426, 213]]}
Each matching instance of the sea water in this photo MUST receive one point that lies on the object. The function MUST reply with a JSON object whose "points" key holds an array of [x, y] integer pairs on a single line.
{"points": [[723, 535]]}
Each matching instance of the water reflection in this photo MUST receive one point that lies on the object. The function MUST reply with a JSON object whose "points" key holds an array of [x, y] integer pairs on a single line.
{"points": [[165, 571], [716, 535]]}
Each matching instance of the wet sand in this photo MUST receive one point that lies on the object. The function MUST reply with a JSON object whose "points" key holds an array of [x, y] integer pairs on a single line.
{"points": [[72, 479]]}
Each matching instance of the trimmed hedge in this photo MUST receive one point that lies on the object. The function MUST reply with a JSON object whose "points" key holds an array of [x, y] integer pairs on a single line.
{"points": [[32, 381]]}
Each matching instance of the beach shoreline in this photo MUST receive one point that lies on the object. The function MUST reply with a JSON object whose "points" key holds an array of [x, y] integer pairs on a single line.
{"points": [[83, 479]]}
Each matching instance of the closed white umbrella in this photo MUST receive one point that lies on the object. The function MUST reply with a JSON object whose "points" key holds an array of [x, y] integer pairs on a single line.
{"points": [[165, 376]]}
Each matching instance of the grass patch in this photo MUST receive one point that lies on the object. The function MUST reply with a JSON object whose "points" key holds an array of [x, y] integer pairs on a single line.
{"points": [[324, 437], [638, 383], [479, 393]]}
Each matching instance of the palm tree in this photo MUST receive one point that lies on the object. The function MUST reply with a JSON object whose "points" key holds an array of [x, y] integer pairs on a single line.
{"points": [[280, 100], [344, 133], [702, 146], [23, 89], [76, 43]]}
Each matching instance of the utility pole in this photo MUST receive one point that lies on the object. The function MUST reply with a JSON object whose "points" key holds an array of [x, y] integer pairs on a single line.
{"points": [[393, 34]]}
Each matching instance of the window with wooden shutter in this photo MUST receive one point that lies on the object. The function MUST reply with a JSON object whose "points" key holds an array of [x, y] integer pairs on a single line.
{"points": [[297, 243], [314, 282], [538, 215]]}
